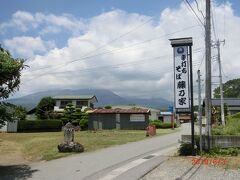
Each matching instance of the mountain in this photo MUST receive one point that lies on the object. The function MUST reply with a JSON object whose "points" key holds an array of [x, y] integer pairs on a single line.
{"points": [[105, 97]]}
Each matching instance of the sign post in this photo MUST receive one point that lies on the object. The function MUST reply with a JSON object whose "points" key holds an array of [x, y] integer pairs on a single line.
{"points": [[170, 109], [183, 79]]}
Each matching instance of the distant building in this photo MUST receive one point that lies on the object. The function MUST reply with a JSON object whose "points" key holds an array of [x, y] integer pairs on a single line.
{"points": [[77, 101], [166, 117], [184, 118], [135, 118], [232, 103], [155, 113]]}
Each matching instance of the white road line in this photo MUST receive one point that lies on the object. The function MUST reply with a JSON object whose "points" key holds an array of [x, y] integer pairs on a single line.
{"points": [[116, 172]]}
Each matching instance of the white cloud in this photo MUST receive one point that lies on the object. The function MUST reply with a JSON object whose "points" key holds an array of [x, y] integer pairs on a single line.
{"points": [[122, 67], [46, 23], [21, 20], [28, 46]]}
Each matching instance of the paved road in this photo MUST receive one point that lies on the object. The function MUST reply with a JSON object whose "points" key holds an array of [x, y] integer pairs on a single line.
{"points": [[114, 162]]}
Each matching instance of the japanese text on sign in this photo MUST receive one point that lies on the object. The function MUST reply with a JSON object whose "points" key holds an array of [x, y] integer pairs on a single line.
{"points": [[181, 77]]}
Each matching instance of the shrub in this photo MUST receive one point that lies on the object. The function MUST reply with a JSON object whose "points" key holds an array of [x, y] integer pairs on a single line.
{"points": [[185, 149], [108, 107], [167, 125], [75, 122], [216, 151], [39, 125], [217, 131], [161, 125], [83, 123], [232, 126]]}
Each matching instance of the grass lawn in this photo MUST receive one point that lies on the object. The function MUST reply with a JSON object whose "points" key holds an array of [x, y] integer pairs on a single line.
{"points": [[43, 146]]}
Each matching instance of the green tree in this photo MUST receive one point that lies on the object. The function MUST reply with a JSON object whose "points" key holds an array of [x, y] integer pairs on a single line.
{"points": [[68, 115], [6, 114], [231, 89], [20, 112], [10, 72], [75, 116], [45, 108]]}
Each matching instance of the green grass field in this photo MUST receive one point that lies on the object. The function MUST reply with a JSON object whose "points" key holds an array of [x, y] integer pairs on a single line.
{"points": [[43, 146]]}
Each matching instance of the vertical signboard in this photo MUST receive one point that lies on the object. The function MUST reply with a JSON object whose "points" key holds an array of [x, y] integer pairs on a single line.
{"points": [[181, 77], [183, 87]]}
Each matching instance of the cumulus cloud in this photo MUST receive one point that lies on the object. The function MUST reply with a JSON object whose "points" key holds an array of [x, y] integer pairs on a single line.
{"points": [[127, 53], [28, 46], [46, 23]]}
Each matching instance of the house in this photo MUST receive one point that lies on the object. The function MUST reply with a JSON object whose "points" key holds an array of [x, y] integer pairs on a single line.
{"points": [[77, 101], [155, 113], [135, 118], [232, 103], [166, 117], [184, 117]]}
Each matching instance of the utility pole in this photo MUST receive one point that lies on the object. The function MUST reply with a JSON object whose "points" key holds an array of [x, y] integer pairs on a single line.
{"points": [[220, 79], [199, 110], [208, 89]]}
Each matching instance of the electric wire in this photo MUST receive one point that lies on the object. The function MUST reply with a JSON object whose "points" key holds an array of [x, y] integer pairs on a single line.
{"points": [[213, 24], [83, 58], [199, 10], [107, 66], [193, 11]]}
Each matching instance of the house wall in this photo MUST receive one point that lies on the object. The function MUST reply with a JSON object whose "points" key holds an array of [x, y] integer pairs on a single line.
{"points": [[125, 122], [167, 119], [108, 121], [154, 115], [102, 121], [74, 103]]}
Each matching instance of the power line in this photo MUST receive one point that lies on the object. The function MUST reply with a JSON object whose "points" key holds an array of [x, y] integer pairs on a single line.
{"points": [[201, 61], [199, 9], [213, 23], [110, 66], [119, 37], [109, 52], [193, 11], [224, 20]]}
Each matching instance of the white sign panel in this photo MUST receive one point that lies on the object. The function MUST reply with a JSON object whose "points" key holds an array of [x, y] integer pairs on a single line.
{"points": [[181, 81]]}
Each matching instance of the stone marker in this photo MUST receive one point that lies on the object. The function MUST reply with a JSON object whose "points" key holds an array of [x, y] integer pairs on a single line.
{"points": [[69, 145]]}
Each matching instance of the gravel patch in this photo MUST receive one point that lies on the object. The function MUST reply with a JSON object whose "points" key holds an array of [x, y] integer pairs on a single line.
{"points": [[181, 168]]}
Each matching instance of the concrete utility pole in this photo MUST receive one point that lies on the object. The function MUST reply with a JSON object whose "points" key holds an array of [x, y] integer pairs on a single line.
{"points": [[208, 89], [221, 86], [200, 110]]}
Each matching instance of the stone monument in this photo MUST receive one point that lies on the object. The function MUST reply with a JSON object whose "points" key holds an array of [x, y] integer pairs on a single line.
{"points": [[69, 145]]}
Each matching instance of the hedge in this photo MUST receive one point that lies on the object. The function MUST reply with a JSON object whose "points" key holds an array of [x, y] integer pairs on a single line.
{"points": [[40, 125], [161, 125]]}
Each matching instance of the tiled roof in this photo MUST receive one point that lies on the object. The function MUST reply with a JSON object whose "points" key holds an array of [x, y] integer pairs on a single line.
{"points": [[124, 111], [228, 101], [75, 97]]}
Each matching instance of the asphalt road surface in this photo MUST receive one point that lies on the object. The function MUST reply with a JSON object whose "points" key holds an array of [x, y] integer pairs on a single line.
{"points": [[128, 161]]}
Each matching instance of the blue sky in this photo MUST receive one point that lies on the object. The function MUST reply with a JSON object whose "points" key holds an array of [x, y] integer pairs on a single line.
{"points": [[127, 41]]}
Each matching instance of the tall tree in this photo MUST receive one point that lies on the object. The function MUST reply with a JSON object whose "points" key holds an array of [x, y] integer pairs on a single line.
{"points": [[45, 108], [231, 89], [10, 72]]}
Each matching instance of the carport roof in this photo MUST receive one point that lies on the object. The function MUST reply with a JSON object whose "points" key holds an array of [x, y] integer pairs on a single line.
{"points": [[123, 111]]}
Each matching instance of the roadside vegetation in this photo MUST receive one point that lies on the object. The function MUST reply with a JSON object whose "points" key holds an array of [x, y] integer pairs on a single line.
{"points": [[232, 126], [43, 146], [231, 155], [161, 125]]}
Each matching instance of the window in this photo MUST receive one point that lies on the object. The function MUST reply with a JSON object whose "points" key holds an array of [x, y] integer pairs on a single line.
{"points": [[137, 118], [64, 103], [80, 104]]}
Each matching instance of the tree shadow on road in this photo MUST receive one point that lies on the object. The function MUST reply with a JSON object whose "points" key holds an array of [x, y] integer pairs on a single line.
{"points": [[14, 172]]}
